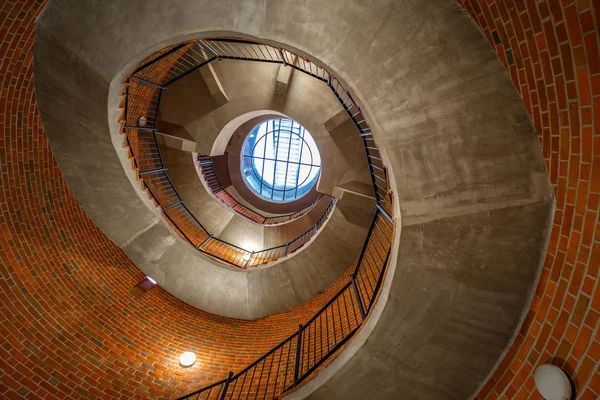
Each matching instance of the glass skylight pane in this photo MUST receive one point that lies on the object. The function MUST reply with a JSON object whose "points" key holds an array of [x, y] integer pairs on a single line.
{"points": [[281, 161]]}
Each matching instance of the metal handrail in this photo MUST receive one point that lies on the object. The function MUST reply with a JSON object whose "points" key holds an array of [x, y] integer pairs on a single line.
{"points": [[147, 158], [293, 360], [212, 181], [316, 342], [170, 64]]}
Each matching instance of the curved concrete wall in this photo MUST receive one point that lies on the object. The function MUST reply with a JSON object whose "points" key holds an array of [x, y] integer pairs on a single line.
{"points": [[96, 176], [250, 86], [465, 164], [227, 225], [74, 323]]}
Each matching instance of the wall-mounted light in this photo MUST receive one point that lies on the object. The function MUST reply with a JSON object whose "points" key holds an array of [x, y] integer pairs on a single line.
{"points": [[246, 257], [146, 283], [186, 359], [142, 121], [552, 382]]}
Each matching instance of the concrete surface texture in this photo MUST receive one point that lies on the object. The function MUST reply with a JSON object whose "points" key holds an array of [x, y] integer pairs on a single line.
{"points": [[465, 164], [104, 188], [251, 86], [174, 136]]}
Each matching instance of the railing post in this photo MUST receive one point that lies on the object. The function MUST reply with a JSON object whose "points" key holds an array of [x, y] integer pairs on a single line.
{"points": [[282, 58], [226, 386], [361, 309], [248, 260], [297, 363], [126, 103], [287, 246], [211, 51], [204, 241]]}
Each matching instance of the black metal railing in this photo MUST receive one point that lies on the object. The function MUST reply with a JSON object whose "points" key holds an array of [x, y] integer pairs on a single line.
{"points": [[236, 49], [147, 82], [319, 339], [147, 159], [293, 360], [142, 96], [212, 181]]}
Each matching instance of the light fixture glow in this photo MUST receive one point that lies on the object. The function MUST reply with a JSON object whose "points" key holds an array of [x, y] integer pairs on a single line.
{"points": [[246, 257], [186, 359], [151, 280], [142, 121], [552, 382]]}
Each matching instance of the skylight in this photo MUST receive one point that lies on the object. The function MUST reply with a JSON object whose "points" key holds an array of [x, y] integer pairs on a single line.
{"points": [[280, 160]]}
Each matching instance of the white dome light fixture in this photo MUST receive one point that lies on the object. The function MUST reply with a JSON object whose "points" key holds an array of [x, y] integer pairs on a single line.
{"points": [[187, 359], [552, 382]]}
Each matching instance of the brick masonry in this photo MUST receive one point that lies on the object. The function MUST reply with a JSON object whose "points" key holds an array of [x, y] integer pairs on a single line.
{"points": [[550, 48], [73, 324]]}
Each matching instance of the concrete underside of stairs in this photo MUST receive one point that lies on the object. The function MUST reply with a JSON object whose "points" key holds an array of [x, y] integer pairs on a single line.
{"points": [[251, 86], [227, 225], [465, 163]]}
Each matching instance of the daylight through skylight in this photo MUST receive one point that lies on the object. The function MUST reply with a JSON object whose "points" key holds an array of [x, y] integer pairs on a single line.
{"points": [[280, 160]]}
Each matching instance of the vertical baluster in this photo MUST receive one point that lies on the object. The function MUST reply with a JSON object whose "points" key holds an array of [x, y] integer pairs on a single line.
{"points": [[327, 328], [272, 356], [297, 362], [260, 377], [243, 384], [320, 319], [339, 317], [252, 379], [248, 260], [314, 343], [226, 385], [358, 300]]}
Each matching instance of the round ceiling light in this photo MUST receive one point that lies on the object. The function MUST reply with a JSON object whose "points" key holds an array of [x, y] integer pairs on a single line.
{"points": [[552, 382], [187, 359]]}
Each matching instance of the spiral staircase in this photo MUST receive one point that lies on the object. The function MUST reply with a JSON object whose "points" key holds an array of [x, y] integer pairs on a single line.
{"points": [[403, 274]]}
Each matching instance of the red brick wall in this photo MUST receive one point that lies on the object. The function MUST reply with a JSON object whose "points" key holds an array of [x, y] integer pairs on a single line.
{"points": [[72, 325], [550, 48]]}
